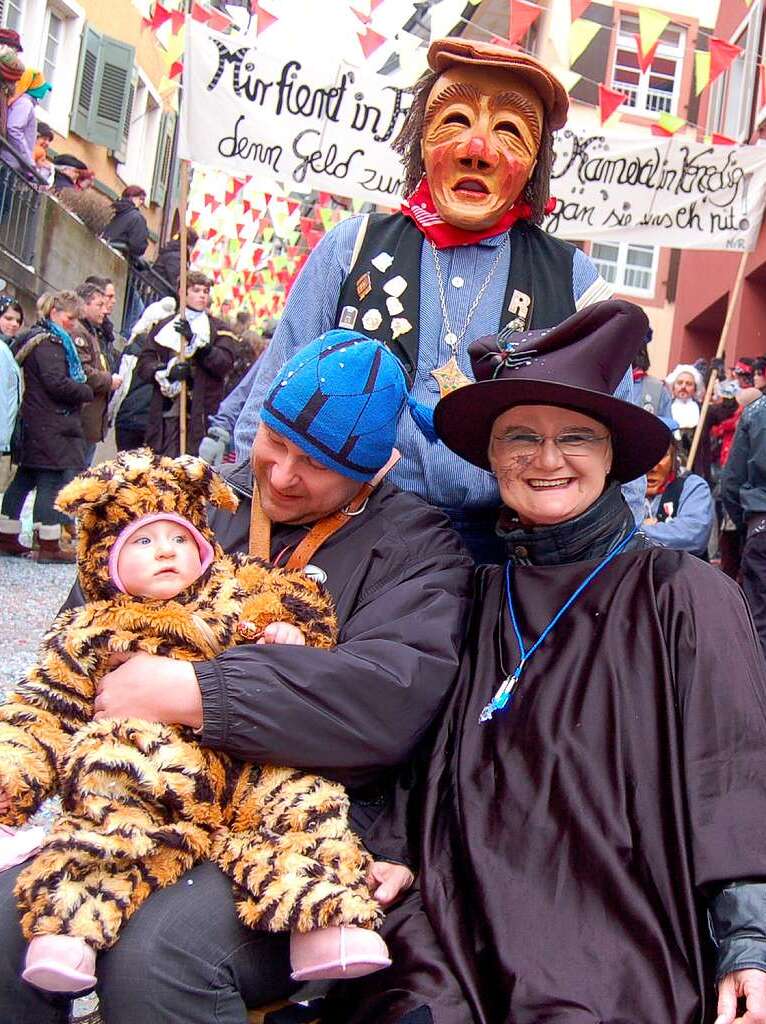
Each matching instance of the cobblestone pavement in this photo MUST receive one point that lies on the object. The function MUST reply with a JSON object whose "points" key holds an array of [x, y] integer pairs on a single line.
{"points": [[30, 596]]}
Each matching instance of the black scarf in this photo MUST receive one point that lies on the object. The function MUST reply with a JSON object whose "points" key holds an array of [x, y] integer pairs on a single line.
{"points": [[593, 534]]}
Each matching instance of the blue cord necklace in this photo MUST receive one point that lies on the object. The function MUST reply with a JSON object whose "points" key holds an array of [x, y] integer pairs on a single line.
{"points": [[505, 693]]}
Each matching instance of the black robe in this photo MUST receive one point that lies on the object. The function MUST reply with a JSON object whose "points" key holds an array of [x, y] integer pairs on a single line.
{"points": [[568, 846]]}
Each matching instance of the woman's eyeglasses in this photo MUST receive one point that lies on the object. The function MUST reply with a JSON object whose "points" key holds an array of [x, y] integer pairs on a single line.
{"points": [[523, 444]]}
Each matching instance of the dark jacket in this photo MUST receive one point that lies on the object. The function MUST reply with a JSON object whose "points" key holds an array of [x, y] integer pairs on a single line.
{"points": [[168, 265], [96, 366], [210, 367], [400, 579], [52, 428], [743, 484], [128, 228], [133, 414]]}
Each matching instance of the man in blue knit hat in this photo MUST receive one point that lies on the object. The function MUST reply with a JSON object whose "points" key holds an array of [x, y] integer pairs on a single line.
{"points": [[400, 580]]}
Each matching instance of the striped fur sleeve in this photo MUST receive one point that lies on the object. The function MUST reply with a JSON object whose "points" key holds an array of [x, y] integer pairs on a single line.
{"points": [[53, 700], [282, 595]]}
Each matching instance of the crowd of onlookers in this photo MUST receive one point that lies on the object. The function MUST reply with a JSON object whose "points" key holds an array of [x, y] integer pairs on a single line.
{"points": [[69, 377]]}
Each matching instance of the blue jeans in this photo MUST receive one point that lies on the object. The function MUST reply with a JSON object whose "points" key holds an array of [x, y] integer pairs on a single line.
{"points": [[183, 958]]}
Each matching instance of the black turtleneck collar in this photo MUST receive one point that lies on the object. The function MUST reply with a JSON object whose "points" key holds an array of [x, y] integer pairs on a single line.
{"points": [[593, 534]]}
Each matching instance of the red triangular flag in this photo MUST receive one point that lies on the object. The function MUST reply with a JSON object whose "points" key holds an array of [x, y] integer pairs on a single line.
{"points": [[645, 59], [522, 15], [208, 200], [245, 205], [721, 56], [264, 19], [657, 129], [160, 16], [199, 13], [578, 8], [722, 140], [177, 20], [267, 197], [364, 18], [608, 101], [175, 69], [370, 41], [292, 206]]}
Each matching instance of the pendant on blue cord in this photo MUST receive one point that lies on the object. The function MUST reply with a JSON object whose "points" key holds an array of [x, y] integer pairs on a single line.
{"points": [[503, 697]]}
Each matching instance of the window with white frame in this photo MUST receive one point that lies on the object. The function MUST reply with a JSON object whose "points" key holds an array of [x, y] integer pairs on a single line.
{"points": [[51, 31], [629, 267], [12, 14], [730, 111], [657, 90], [142, 130]]}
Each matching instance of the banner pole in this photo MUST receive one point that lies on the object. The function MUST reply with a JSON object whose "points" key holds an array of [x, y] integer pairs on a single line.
{"points": [[730, 309], [183, 203]]}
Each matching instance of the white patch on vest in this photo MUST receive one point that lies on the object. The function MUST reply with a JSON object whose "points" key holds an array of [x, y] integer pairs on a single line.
{"points": [[372, 320], [396, 286], [348, 317], [382, 261], [520, 304], [394, 306]]}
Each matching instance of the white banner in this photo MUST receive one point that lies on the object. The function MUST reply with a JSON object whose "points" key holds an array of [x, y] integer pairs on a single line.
{"points": [[313, 124]]}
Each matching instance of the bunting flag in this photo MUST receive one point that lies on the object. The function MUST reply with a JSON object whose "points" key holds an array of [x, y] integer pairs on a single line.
{"points": [[762, 85], [667, 124], [160, 16], [581, 35], [522, 16], [701, 70], [566, 76], [608, 101], [370, 41], [645, 59], [716, 139], [578, 8], [651, 25], [721, 56], [263, 19]]}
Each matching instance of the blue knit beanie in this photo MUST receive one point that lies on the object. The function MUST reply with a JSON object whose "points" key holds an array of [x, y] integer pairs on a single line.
{"points": [[339, 399]]}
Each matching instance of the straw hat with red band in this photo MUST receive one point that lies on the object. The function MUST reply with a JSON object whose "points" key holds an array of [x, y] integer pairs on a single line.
{"points": [[576, 365], [446, 53]]}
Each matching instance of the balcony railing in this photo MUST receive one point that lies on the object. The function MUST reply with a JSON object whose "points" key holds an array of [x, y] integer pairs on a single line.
{"points": [[19, 203]]}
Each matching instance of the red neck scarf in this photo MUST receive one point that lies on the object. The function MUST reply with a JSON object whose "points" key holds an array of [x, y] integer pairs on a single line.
{"points": [[421, 209]]}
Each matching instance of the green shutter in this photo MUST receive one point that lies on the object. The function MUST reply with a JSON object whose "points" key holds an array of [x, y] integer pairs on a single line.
{"points": [[164, 156], [121, 154], [107, 115], [86, 80]]}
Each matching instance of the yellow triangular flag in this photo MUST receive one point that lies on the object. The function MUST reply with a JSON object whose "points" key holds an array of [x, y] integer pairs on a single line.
{"points": [[670, 123], [581, 35], [566, 76], [651, 25], [701, 70]]}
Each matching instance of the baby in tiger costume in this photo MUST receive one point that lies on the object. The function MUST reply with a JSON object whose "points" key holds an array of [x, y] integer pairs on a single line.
{"points": [[142, 801]]}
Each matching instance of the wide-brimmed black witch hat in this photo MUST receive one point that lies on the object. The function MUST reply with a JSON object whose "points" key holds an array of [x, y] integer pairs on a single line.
{"points": [[576, 365]]}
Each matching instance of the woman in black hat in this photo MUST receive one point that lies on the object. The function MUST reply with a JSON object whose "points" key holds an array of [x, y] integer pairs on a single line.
{"points": [[597, 785]]}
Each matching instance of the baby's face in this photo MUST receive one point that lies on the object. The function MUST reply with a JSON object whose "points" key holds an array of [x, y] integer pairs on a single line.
{"points": [[159, 560]]}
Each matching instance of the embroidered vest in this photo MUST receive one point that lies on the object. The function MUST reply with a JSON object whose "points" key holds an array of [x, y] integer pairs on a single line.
{"points": [[538, 291]]}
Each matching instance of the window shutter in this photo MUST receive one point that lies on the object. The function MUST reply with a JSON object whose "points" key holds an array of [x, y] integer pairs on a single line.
{"points": [[164, 154], [110, 99], [86, 81], [121, 154]]}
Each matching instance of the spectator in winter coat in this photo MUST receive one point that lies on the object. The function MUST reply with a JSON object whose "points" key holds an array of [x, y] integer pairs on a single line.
{"points": [[111, 343], [208, 357], [67, 170], [168, 263], [55, 389], [679, 504], [11, 319], [21, 129], [43, 165], [127, 229], [96, 365]]}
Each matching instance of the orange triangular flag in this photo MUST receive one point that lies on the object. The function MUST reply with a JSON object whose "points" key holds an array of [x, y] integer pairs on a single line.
{"points": [[721, 56], [263, 18], [578, 8], [522, 15], [608, 101]]}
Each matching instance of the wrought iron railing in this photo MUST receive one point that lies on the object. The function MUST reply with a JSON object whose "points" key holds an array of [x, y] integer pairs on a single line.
{"points": [[19, 203], [142, 288]]}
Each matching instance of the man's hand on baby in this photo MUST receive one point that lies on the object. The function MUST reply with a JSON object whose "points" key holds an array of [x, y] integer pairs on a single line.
{"points": [[146, 686], [389, 882], [282, 633]]}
